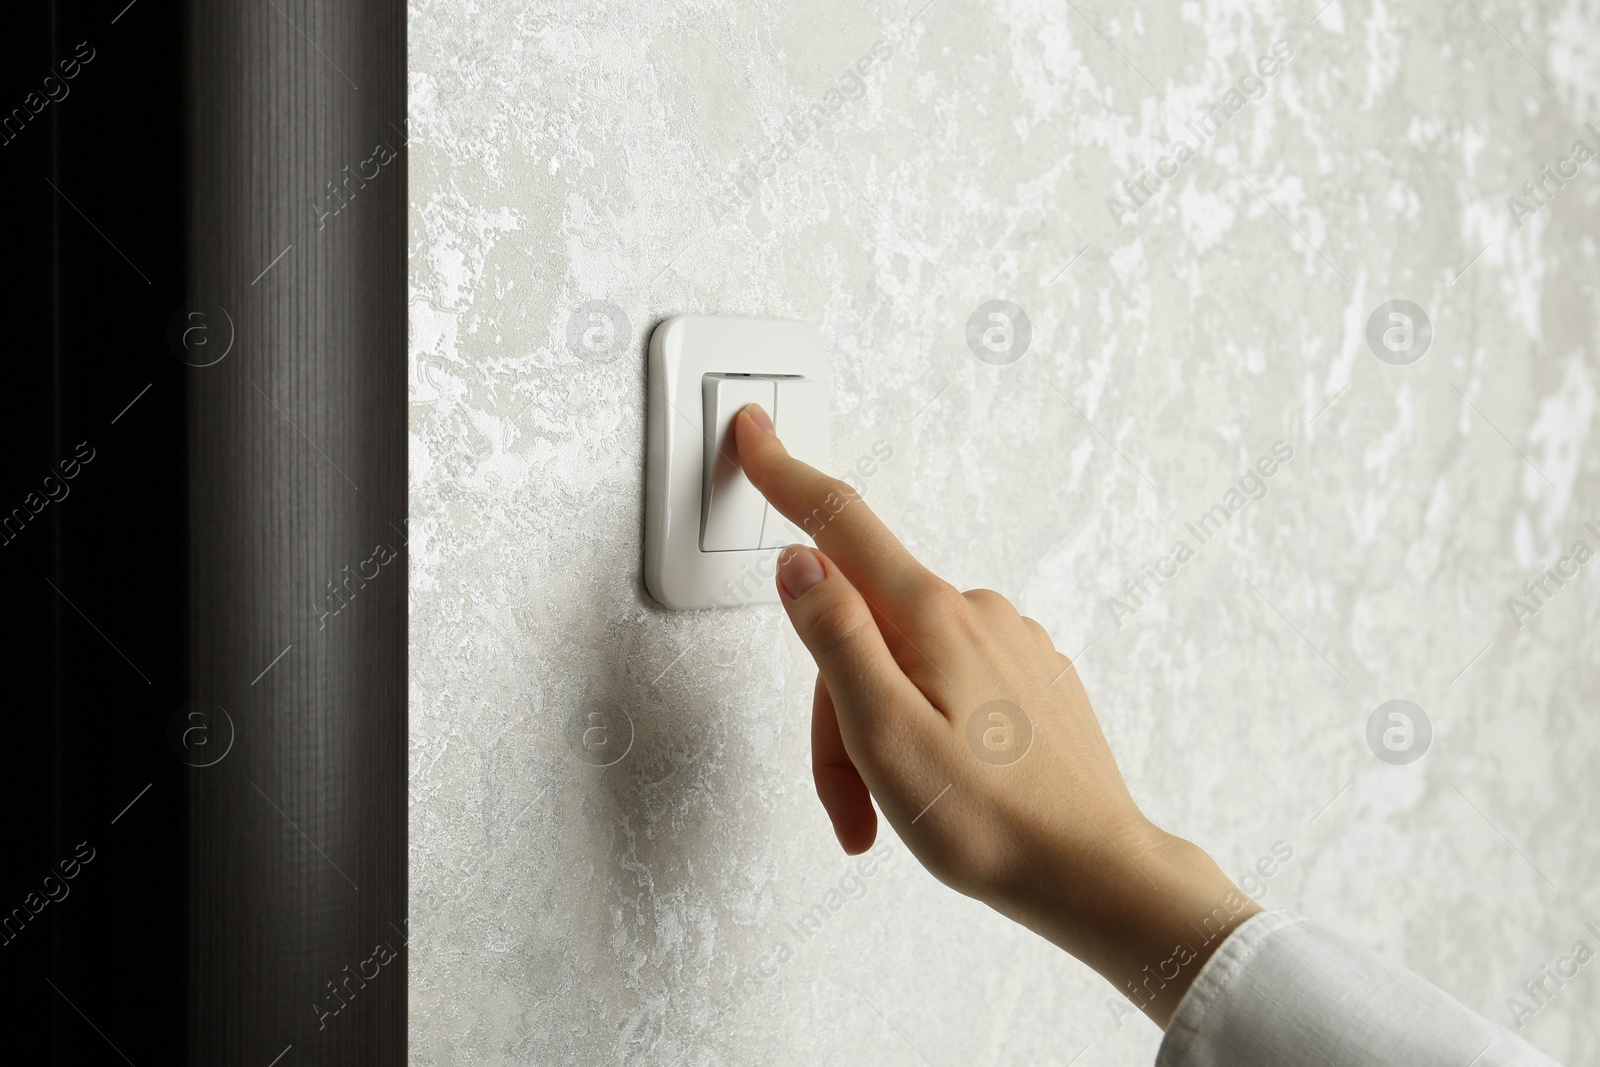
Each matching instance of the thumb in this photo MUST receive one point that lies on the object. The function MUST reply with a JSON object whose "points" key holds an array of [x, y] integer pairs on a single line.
{"points": [[870, 692]]}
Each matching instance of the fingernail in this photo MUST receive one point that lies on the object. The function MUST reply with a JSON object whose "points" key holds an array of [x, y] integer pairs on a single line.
{"points": [[759, 416], [799, 570]]}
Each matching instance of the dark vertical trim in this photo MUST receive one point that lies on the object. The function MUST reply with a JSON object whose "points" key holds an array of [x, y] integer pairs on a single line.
{"points": [[58, 776], [296, 520]]}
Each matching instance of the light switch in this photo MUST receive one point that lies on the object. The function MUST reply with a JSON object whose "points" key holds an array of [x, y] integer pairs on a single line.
{"points": [[705, 525], [731, 509]]}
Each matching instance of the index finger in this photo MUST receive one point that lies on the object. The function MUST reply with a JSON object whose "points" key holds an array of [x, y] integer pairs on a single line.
{"points": [[831, 512]]}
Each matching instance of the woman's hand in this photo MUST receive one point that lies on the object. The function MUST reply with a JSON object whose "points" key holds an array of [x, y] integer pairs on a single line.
{"points": [[976, 738]]}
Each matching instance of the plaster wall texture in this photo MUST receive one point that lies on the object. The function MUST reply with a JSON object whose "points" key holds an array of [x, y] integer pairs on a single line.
{"points": [[734, 158]]}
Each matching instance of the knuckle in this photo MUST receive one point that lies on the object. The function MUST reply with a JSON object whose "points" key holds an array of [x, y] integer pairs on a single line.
{"points": [[834, 624], [990, 601], [839, 489], [934, 593], [831, 498]]}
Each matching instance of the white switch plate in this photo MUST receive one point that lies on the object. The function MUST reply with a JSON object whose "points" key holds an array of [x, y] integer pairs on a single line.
{"points": [[683, 350]]}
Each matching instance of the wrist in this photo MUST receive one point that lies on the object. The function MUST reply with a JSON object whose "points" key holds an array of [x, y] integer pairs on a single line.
{"points": [[1191, 910], [1146, 910]]}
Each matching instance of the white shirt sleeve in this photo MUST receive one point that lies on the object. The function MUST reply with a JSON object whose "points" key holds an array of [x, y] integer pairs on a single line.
{"points": [[1284, 990]]}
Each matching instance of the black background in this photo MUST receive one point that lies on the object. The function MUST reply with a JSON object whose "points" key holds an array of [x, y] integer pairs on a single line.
{"points": [[90, 684]]}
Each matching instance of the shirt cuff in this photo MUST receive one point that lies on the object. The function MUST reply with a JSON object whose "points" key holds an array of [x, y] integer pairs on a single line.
{"points": [[1283, 990]]}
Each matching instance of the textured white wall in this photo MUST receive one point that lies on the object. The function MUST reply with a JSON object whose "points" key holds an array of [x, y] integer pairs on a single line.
{"points": [[649, 911]]}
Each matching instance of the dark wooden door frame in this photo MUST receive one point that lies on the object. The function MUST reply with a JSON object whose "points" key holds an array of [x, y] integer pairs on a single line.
{"points": [[297, 527]]}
